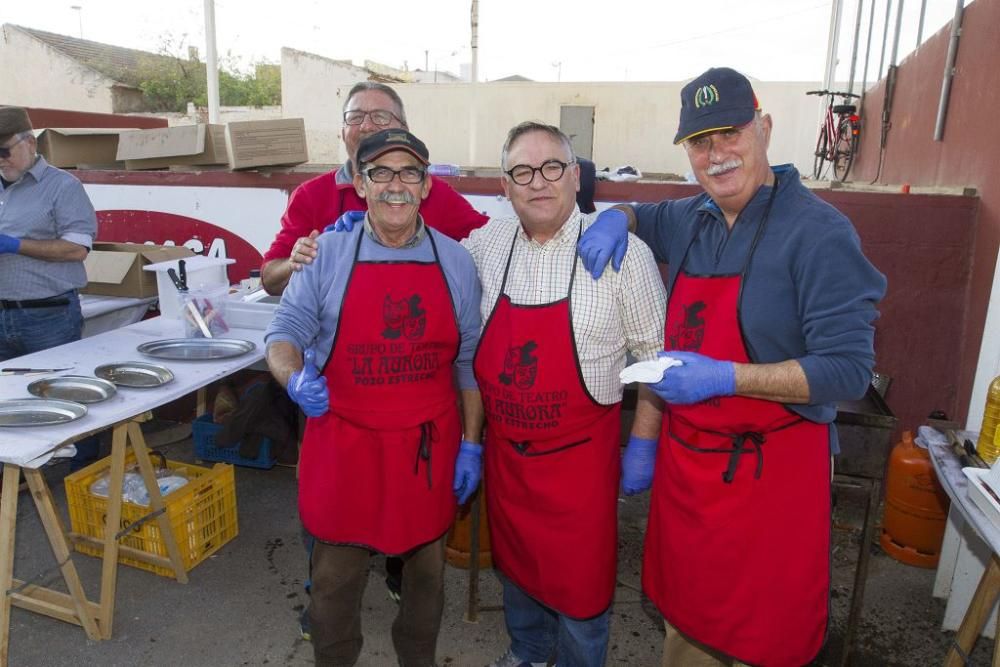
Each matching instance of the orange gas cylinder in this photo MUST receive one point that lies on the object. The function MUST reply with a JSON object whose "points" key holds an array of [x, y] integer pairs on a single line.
{"points": [[916, 507]]}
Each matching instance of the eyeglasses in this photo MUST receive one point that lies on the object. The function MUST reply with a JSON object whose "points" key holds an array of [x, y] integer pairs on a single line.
{"points": [[5, 151], [724, 139], [551, 170], [409, 175], [380, 117]]}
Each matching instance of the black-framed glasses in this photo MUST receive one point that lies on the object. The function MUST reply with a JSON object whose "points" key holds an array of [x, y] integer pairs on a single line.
{"points": [[551, 170], [380, 117], [409, 175], [5, 151]]}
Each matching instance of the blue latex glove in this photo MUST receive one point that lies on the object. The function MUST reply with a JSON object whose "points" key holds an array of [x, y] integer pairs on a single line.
{"points": [[346, 221], [9, 244], [468, 470], [637, 465], [700, 378], [606, 239], [308, 388]]}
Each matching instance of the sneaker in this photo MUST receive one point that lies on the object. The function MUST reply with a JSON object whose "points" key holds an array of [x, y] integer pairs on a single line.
{"points": [[304, 628], [394, 577], [508, 659]]}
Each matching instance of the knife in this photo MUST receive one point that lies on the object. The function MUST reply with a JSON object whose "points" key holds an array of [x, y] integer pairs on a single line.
{"points": [[182, 270], [24, 371], [181, 287]]}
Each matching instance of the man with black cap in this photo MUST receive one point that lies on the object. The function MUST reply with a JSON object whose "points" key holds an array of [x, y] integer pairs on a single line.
{"points": [[47, 226], [369, 340], [771, 312]]}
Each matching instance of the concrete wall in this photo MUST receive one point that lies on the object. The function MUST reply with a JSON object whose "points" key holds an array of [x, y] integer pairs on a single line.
{"points": [[965, 157], [312, 88], [634, 123], [26, 62]]}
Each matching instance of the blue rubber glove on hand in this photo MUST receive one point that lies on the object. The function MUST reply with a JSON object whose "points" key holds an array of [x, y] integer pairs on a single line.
{"points": [[698, 379], [638, 464], [468, 470], [346, 221], [9, 244], [606, 239], [308, 388]]}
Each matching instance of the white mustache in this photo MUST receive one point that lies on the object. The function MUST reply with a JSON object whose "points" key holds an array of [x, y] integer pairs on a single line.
{"points": [[397, 198], [725, 166]]}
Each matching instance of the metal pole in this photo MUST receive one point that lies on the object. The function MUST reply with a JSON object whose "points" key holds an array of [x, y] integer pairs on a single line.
{"points": [[885, 37], [920, 23], [473, 79], [211, 63], [868, 51], [895, 37], [854, 48], [831, 45], [949, 70]]}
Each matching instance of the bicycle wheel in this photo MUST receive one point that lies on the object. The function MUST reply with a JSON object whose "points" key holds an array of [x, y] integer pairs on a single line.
{"points": [[843, 152], [821, 153]]}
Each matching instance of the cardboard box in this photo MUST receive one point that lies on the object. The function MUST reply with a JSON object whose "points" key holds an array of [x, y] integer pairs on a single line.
{"points": [[69, 147], [115, 269], [257, 143], [164, 147]]}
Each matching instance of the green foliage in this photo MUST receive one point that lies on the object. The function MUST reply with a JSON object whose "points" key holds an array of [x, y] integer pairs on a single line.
{"points": [[168, 83]]}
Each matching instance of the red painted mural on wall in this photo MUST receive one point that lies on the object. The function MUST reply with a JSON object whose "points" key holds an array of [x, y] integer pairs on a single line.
{"points": [[203, 238]]}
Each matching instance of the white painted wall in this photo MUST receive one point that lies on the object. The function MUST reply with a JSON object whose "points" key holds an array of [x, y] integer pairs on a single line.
{"points": [[312, 87], [26, 61], [634, 123]]}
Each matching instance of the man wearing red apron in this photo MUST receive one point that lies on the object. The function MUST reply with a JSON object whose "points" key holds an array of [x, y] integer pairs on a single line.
{"points": [[770, 314], [547, 365], [388, 318]]}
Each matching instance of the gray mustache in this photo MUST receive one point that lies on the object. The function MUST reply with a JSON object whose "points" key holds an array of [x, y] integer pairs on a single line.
{"points": [[725, 166], [397, 198]]}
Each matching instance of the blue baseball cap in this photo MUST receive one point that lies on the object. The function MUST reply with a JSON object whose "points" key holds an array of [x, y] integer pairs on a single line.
{"points": [[719, 99]]}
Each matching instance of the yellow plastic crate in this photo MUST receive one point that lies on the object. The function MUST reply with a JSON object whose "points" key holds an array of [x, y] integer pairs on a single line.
{"points": [[202, 514]]}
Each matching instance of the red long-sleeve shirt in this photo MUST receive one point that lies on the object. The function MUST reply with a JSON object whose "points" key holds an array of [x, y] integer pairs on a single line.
{"points": [[320, 201]]}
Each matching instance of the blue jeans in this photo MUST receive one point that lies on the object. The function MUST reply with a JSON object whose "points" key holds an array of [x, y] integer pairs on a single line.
{"points": [[27, 330], [538, 633]]}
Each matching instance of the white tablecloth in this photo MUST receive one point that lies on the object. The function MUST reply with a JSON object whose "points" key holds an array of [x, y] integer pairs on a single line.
{"points": [[32, 446]]}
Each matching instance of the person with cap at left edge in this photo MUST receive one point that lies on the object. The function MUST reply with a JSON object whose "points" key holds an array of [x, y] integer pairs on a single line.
{"points": [[771, 312], [371, 339], [47, 226]]}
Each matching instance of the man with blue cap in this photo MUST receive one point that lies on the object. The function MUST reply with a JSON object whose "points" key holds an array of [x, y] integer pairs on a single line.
{"points": [[770, 313]]}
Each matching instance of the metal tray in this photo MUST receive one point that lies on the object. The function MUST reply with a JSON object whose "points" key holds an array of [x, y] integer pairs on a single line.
{"points": [[78, 388], [196, 349], [39, 411], [138, 374]]}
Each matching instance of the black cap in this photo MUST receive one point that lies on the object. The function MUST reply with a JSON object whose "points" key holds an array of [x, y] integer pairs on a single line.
{"points": [[386, 141], [719, 99]]}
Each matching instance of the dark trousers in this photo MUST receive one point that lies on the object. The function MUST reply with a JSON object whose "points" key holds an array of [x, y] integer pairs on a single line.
{"points": [[339, 576]]}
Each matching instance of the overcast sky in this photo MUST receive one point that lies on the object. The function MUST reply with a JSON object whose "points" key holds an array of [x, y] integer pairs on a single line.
{"points": [[545, 40]]}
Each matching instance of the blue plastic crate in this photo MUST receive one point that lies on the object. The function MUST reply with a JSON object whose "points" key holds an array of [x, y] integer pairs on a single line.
{"points": [[204, 430]]}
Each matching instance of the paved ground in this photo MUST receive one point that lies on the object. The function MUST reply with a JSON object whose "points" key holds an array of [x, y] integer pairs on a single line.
{"points": [[241, 606]]}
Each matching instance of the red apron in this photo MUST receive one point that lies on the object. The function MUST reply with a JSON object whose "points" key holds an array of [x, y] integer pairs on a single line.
{"points": [[377, 469], [552, 459], [737, 551]]}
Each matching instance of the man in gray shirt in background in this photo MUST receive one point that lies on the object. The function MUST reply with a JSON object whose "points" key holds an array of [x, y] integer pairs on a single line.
{"points": [[47, 226]]}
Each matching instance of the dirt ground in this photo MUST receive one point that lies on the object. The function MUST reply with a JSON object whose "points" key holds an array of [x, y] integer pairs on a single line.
{"points": [[241, 605]]}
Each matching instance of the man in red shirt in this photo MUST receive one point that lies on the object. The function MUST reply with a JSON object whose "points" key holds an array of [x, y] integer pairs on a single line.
{"points": [[370, 108]]}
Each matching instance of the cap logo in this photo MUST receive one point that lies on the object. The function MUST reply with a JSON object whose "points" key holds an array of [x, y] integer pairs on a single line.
{"points": [[706, 96], [398, 136]]}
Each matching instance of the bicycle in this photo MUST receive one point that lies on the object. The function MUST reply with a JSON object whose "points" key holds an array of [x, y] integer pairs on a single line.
{"points": [[838, 137]]}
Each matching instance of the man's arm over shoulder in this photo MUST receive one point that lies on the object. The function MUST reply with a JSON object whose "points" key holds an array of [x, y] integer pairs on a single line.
{"points": [[449, 212], [838, 290], [656, 224], [302, 215]]}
